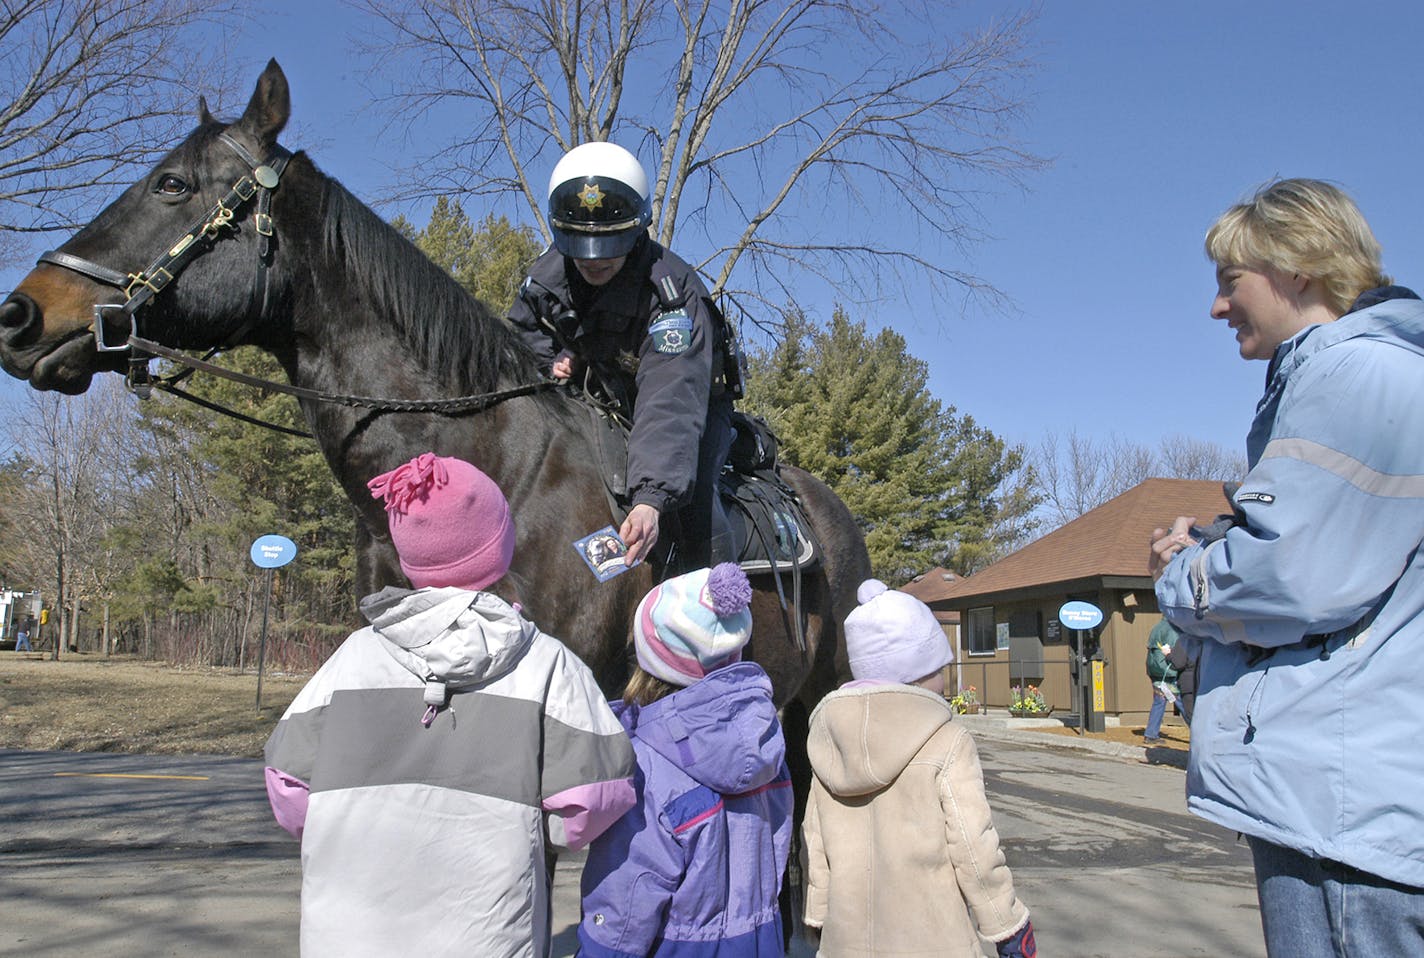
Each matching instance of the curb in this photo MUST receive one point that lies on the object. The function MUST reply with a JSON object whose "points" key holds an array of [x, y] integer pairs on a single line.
{"points": [[1022, 731]]}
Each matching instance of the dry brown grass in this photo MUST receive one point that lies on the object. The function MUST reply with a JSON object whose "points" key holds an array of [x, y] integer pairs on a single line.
{"points": [[87, 703]]}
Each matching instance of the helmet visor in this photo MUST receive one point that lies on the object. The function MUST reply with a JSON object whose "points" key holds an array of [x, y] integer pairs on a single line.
{"points": [[595, 217], [595, 246]]}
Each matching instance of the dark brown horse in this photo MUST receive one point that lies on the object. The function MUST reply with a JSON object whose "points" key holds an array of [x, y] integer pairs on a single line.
{"points": [[284, 258]]}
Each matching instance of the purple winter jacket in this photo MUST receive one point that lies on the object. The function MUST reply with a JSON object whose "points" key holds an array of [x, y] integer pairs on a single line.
{"points": [[694, 868]]}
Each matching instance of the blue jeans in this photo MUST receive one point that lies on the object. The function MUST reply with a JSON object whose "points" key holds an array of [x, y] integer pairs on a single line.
{"points": [[1315, 908], [1159, 711], [22, 643]]}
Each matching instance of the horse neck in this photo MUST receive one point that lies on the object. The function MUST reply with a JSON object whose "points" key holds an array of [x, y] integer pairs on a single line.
{"points": [[369, 307], [372, 316]]}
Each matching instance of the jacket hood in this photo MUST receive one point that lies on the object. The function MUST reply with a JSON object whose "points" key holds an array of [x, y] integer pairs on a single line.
{"points": [[862, 738], [1392, 314], [458, 637], [722, 731]]}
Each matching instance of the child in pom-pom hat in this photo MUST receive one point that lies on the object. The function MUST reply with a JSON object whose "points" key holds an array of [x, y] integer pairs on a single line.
{"points": [[430, 763], [696, 866], [888, 762]]}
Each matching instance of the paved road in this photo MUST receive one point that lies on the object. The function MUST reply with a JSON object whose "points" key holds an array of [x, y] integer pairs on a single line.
{"points": [[1108, 860], [187, 861]]}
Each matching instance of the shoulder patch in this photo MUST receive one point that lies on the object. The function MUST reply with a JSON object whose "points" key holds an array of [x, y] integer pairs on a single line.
{"points": [[1265, 498], [672, 332]]}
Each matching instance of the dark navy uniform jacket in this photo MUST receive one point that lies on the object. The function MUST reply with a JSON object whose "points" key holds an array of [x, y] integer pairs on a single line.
{"points": [[654, 337]]}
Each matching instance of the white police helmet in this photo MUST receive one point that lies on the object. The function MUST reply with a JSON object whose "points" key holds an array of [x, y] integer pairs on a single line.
{"points": [[598, 202]]}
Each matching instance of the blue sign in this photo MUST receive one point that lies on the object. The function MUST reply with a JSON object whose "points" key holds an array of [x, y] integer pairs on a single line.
{"points": [[273, 552], [1080, 615]]}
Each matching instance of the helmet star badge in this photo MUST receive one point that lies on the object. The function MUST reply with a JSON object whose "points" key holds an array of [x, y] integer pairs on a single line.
{"points": [[591, 197]]}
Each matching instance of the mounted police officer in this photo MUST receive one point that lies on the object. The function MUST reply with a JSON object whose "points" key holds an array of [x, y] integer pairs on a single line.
{"points": [[633, 324]]}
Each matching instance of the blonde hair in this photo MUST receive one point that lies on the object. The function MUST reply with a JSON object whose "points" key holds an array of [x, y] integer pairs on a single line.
{"points": [[645, 689], [1306, 227]]}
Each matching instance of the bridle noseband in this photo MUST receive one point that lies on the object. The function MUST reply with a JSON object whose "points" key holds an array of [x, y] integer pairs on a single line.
{"points": [[140, 287]]}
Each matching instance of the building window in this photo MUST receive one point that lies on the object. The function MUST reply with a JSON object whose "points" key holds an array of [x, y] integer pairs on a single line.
{"points": [[980, 630]]}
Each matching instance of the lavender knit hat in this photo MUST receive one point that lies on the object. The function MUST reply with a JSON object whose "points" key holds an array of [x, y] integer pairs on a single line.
{"points": [[449, 522], [893, 636], [694, 624]]}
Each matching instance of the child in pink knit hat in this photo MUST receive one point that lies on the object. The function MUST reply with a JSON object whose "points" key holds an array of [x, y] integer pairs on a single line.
{"points": [[696, 866], [449, 522], [888, 762], [429, 761]]}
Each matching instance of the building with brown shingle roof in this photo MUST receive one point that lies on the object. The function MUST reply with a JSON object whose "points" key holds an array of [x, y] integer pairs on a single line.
{"points": [[1008, 631]]}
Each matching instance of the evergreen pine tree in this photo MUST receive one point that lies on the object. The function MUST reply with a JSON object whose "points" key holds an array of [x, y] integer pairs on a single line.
{"points": [[490, 262], [927, 485]]}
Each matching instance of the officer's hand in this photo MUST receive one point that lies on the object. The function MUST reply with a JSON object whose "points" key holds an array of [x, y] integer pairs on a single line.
{"points": [[565, 364], [640, 532]]}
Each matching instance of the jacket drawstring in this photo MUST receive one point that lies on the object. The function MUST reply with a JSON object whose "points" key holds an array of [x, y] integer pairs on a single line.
{"points": [[437, 697]]}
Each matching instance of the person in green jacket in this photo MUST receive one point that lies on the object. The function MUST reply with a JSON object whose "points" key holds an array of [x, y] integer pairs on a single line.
{"points": [[1164, 678]]}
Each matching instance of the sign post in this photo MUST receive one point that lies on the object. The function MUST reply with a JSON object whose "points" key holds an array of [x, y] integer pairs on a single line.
{"points": [[1083, 617], [269, 552]]}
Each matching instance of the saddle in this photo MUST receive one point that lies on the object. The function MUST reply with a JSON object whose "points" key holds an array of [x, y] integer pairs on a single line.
{"points": [[769, 528]]}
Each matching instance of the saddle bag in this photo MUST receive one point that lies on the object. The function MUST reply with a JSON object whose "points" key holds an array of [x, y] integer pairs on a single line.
{"points": [[754, 444]]}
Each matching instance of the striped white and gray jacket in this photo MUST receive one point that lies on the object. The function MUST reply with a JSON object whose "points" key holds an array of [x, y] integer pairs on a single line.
{"points": [[427, 766]]}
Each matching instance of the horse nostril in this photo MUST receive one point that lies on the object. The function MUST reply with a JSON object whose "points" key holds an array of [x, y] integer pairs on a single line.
{"points": [[17, 314]]}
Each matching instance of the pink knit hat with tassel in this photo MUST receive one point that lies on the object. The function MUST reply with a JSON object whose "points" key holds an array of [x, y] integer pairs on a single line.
{"points": [[449, 522]]}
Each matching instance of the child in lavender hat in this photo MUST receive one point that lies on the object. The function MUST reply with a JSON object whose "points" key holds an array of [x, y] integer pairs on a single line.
{"points": [[884, 878]]}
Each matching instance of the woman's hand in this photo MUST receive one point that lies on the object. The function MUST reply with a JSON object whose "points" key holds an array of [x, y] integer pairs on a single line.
{"points": [[1166, 543]]}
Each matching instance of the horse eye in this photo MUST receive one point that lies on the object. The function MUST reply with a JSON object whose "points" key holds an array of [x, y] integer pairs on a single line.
{"points": [[172, 185]]}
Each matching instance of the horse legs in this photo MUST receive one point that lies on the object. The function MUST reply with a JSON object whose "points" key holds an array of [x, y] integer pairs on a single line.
{"points": [[796, 727]]}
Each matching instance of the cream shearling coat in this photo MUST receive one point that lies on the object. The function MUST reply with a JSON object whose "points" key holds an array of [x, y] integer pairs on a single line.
{"points": [[903, 856]]}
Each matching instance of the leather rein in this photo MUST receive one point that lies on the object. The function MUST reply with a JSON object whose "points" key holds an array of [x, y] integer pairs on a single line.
{"points": [[219, 221]]}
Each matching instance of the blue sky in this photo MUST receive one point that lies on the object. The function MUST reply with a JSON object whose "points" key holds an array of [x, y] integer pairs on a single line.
{"points": [[1156, 117]]}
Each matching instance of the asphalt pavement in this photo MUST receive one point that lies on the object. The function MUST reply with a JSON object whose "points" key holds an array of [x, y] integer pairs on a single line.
{"points": [[178, 855]]}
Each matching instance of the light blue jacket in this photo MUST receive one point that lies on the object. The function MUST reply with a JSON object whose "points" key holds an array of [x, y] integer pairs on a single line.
{"points": [[1308, 715]]}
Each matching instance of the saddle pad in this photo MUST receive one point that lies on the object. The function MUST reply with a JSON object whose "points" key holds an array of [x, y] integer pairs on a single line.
{"points": [[770, 531]]}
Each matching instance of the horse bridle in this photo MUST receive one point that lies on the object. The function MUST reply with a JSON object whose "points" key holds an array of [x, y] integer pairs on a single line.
{"points": [[140, 287]]}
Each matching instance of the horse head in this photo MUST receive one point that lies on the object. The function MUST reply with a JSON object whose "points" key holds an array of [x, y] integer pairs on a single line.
{"points": [[158, 260]]}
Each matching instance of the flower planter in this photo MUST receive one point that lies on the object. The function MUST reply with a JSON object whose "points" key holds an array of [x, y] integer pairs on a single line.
{"points": [[1026, 713], [971, 708]]}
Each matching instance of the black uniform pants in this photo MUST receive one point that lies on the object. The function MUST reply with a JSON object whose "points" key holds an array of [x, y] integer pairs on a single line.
{"points": [[704, 536]]}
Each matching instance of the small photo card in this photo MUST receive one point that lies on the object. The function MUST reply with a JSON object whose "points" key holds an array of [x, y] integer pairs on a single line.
{"points": [[604, 552]]}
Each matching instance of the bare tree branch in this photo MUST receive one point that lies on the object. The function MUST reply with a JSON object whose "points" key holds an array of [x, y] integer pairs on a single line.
{"points": [[842, 139], [90, 92], [1188, 458], [1087, 473]]}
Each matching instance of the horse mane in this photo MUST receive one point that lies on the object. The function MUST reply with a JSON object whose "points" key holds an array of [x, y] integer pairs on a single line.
{"points": [[452, 332]]}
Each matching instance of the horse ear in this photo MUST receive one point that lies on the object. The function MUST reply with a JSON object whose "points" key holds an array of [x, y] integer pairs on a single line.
{"points": [[204, 117], [270, 106]]}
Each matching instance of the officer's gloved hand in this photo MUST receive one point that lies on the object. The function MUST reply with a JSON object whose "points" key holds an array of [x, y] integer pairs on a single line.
{"points": [[1020, 944]]}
